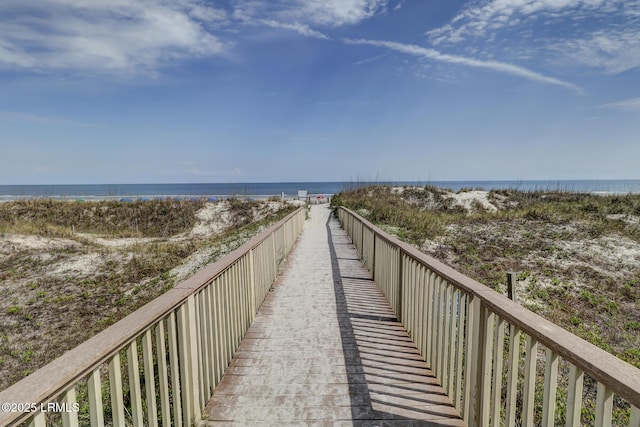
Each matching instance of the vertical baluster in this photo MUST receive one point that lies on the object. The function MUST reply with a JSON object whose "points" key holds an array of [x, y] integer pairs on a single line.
{"points": [[38, 420], [604, 405], [574, 396], [471, 365], [407, 321], [439, 327], [393, 281], [244, 289], [399, 284], [94, 392], [134, 384], [233, 308], [273, 244], [446, 350], [512, 374], [462, 316], [255, 266], [195, 335], [185, 349], [498, 358], [226, 279], [212, 336], [163, 381], [237, 306], [430, 318], [420, 309], [550, 387], [251, 264], [208, 361], [634, 420], [176, 391], [222, 324], [453, 322], [194, 357], [149, 379], [69, 415], [223, 307], [218, 333], [205, 380], [115, 390], [411, 297], [240, 292], [487, 356], [531, 348]]}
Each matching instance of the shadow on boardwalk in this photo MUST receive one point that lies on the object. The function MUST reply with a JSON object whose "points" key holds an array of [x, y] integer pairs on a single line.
{"points": [[389, 384]]}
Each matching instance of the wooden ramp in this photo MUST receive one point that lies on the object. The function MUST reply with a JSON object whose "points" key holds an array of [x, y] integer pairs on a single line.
{"points": [[326, 349]]}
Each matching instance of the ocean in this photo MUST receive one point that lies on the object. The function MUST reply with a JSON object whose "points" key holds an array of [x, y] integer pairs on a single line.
{"points": [[290, 189]]}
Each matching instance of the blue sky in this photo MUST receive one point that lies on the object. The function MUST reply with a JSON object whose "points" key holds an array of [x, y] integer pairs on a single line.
{"points": [[159, 91]]}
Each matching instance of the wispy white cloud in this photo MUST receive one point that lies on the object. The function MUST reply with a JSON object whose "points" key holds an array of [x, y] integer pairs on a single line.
{"points": [[614, 51], [435, 55], [480, 19], [597, 33], [369, 60], [632, 104], [124, 37], [324, 13], [303, 29], [335, 13]]}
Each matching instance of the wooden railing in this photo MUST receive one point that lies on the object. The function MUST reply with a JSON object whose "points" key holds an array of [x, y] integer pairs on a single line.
{"points": [[159, 365], [498, 362]]}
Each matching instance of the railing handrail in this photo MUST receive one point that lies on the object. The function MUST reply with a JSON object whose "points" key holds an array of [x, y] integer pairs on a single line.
{"points": [[50, 380], [618, 375]]}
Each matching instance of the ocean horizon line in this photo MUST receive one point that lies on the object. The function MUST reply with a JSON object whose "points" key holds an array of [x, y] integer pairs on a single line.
{"points": [[374, 181], [291, 189]]}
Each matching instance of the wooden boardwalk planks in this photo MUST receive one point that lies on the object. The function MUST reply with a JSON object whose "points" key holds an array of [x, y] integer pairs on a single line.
{"points": [[326, 349]]}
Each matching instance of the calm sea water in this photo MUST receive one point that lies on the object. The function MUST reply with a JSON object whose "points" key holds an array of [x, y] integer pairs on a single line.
{"points": [[290, 189]]}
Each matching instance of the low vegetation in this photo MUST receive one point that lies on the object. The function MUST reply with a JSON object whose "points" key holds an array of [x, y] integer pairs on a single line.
{"points": [[70, 269]]}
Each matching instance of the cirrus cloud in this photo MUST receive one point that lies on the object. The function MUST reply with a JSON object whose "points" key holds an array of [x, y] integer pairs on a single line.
{"points": [[435, 55], [629, 105]]}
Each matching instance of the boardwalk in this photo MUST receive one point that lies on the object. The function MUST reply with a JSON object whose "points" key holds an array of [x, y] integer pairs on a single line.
{"points": [[326, 349]]}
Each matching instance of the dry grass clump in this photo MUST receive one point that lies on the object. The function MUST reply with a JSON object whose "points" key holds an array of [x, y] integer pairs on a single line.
{"points": [[150, 218]]}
